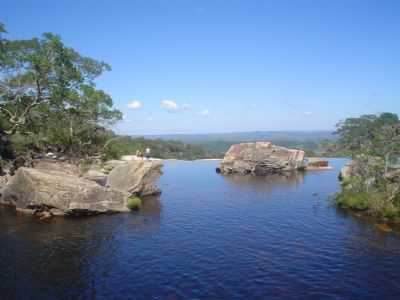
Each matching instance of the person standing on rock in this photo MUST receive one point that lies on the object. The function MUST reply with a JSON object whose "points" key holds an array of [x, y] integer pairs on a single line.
{"points": [[147, 153]]}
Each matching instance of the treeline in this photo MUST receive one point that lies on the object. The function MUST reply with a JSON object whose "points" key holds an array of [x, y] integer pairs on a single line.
{"points": [[159, 148], [372, 184]]}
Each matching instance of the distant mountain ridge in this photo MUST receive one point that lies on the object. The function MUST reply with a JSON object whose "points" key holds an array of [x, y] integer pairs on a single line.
{"points": [[250, 136], [219, 143]]}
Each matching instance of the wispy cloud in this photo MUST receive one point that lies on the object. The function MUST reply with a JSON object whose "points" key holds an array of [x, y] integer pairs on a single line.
{"points": [[173, 107], [135, 105], [205, 113]]}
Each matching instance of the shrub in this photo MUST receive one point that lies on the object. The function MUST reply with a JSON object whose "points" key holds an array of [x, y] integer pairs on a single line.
{"points": [[352, 200], [134, 203]]}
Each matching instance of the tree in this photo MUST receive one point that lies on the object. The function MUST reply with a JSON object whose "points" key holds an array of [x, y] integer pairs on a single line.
{"points": [[48, 89], [373, 135]]}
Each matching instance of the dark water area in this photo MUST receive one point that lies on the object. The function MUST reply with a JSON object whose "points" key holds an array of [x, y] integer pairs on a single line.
{"points": [[206, 237]]}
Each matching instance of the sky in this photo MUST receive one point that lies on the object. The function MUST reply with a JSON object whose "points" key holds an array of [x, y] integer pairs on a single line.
{"points": [[186, 66]]}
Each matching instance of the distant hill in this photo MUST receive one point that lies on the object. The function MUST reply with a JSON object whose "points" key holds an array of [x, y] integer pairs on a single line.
{"points": [[249, 136], [220, 142]]}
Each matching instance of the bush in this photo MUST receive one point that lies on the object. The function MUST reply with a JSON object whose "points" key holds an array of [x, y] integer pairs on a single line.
{"points": [[134, 203], [356, 201]]}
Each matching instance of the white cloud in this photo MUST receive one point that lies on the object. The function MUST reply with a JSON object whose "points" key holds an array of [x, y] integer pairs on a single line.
{"points": [[205, 113], [308, 113], [135, 105], [172, 107]]}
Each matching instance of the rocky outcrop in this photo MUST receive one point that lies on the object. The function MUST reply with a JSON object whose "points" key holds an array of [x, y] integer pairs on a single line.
{"points": [[31, 188], [136, 177], [261, 158], [56, 188], [56, 165], [316, 163], [347, 171], [96, 176]]}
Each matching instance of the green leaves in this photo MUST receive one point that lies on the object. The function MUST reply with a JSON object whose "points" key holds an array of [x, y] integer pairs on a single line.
{"points": [[369, 134], [48, 88]]}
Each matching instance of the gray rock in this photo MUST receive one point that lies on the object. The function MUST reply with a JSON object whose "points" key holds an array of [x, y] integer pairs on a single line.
{"points": [[346, 171], [57, 212], [261, 158], [137, 177], [96, 176], [56, 165], [317, 163], [111, 164], [70, 194]]}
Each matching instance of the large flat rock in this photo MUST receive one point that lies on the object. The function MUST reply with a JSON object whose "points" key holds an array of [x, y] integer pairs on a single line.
{"points": [[261, 158], [137, 177], [68, 193]]}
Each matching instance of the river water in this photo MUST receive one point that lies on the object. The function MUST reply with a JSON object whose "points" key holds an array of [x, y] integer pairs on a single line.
{"points": [[206, 237]]}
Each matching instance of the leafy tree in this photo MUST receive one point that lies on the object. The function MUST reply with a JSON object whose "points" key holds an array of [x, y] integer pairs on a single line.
{"points": [[372, 140], [374, 135], [47, 90]]}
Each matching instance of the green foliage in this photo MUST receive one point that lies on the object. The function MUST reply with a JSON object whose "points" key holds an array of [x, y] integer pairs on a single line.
{"points": [[375, 135], [134, 203], [48, 97], [372, 141], [126, 145], [352, 200]]}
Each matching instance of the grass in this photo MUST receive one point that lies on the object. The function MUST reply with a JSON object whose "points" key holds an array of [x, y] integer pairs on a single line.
{"points": [[373, 203]]}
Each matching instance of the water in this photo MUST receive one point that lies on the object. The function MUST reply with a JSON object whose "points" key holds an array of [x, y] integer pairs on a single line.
{"points": [[206, 237]]}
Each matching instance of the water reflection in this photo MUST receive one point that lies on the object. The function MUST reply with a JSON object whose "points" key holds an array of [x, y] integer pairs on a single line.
{"points": [[265, 184], [206, 237], [74, 252]]}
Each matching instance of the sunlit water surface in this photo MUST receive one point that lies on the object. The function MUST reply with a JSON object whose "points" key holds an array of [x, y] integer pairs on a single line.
{"points": [[206, 237]]}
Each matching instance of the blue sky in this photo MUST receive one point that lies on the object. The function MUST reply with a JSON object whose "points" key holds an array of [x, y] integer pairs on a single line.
{"points": [[188, 66]]}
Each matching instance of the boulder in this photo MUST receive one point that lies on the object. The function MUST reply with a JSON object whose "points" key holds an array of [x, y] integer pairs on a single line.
{"points": [[111, 164], [4, 179], [129, 157], [69, 194], [346, 171], [261, 158], [56, 165], [316, 163], [96, 176], [138, 177]]}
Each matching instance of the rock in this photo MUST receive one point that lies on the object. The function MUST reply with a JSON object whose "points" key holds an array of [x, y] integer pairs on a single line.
{"points": [[261, 158], [56, 165], [384, 227], [21, 161], [316, 163], [57, 212], [345, 172], [30, 188], [137, 177], [3, 180], [96, 176], [111, 164], [129, 157], [44, 215], [25, 211]]}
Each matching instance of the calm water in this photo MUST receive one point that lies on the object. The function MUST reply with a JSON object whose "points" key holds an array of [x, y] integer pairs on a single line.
{"points": [[206, 237]]}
